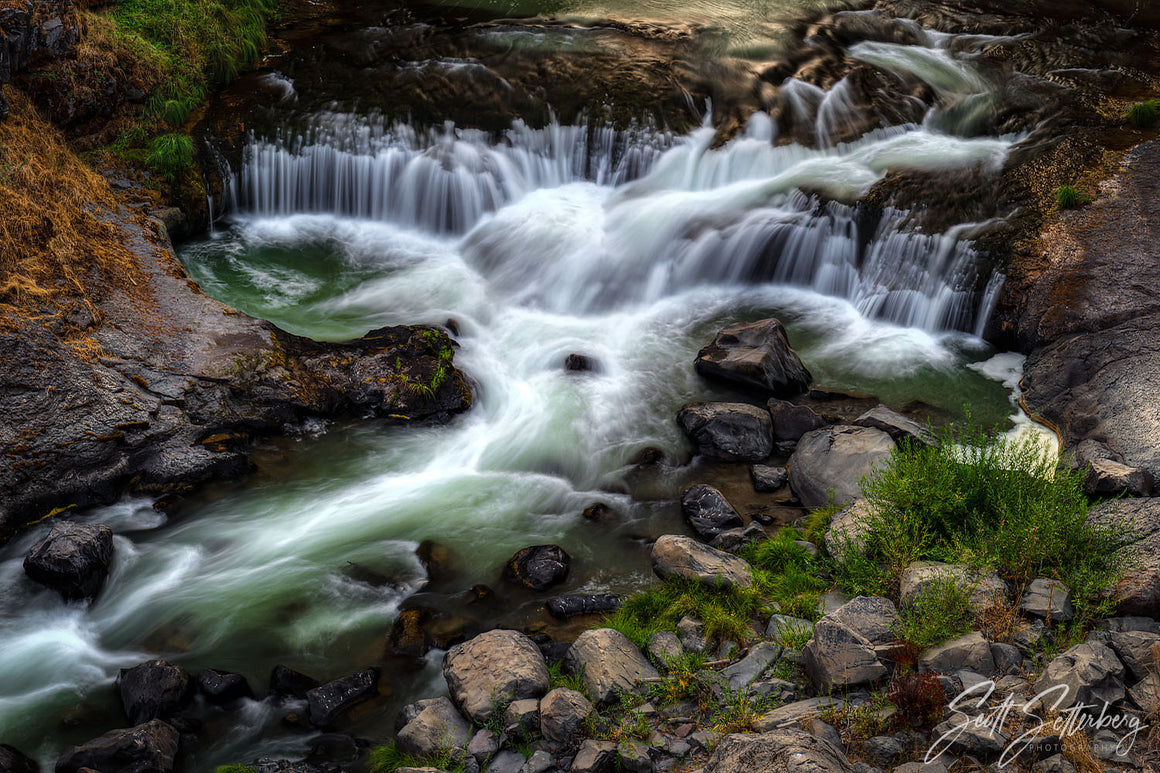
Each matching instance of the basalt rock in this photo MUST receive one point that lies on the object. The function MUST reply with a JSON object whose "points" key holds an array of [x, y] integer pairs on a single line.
{"points": [[223, 687], [154, 690], [73, 559], [755, 355], [538, 567], [286, 681], [737, 432], [332, 699], [708, 512], [146, 748], [1088, 673], [563, 607]]}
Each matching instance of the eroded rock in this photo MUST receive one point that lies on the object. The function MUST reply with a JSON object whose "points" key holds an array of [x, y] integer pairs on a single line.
{"points": [[494, 665], [684, 557], [147, 748], [737, 432], [832, 462], [757, 355], [73, 559], [708, 511]]}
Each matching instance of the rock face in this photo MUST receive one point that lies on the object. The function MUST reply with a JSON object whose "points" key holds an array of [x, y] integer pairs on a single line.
{"points": [[73, 559], [562, 715], [154, 690], [737, 432], [1109, 478], [538, 567], [1138, 593], [492, 666], [757, 355], [147, 748], [839, 657], [834, 460], [436, 726], [684, 557], [332, 699], [607, 663], [708, 512], [780, 751], [32, 33], [1089, 672]]}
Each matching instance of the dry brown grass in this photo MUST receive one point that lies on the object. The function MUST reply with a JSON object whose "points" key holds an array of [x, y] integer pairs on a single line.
{"points": [[59, 247]]}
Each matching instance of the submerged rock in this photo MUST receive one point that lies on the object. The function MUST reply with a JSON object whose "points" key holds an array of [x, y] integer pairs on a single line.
{"points": [[146, 748], [755, 354], [737, 432], [154, 690], [494, 666], [831, 462], [538, 567], [708, 512], [581, 363], [73, 559], [332, 699]]}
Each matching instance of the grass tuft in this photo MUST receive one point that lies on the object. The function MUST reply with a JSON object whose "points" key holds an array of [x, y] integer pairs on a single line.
{"points": [[941, 613], [1070, 197], [172, 155], [1143, 115]]}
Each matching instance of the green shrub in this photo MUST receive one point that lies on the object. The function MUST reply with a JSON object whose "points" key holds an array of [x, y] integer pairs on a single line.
{"points": [[1070, 197], [1143, 115], [171, 154], [942, 612], [986, 503]]}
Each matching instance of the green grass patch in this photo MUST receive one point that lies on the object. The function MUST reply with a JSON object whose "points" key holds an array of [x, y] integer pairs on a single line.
{"points": [[992, 503], [389, 757], [941, 613], [1070, 197], [171, 154], [560, 677], [1143, 115]]}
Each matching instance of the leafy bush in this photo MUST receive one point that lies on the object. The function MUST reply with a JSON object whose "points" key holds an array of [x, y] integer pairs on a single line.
{"points": [[941, 613], [171, 154], [1143, 115], [986, 503], [1070, 197]]}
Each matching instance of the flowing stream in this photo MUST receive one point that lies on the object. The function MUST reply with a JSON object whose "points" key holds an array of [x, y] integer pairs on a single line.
{"points": [[632, 246]]}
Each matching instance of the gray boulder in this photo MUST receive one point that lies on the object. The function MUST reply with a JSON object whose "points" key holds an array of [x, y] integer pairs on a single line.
{"points": [[838, 657], [971, 652], [147, 748], [755, 354], [1087, 673], [849, 528], [708, 511], [896, 425], [608, 663], [1049, 600], [779, 751], [920, 577], [1138, 592], [491, 667], [737, 432], [1134, 649], [595, 757], [766, 478], [873, 617], [73, 559], [834, 460], [562, 715], [791, 421], [332, 699], [437, 726], [684, 557]]}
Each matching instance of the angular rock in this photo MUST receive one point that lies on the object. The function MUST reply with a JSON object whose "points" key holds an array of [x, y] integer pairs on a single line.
{"points": [[494, 665], [562, 715], [146, 748], [895, 425], [873, 617], [736, 432], [733, 540], [985, 588], [745, 671], [833, 461], [882, 750], [154, 690], [1135, 650], [1090, 672], [684, 557], [14, 761], [849, 528], [436, 726], [1108, 478], [766, 478], [506, 762], [288, 682], [971, 652], [595, 757], [522, 717], [1049, 600], [779, 751], [538, 567], [334, 698], [664, 647], [708, 511], [691, 632], [483, 745], [967, 737], [838, 657], [1007, 657], [563, 607], [222, 687], [540, 762], [791, 421], [755, 354], [607, 663], [1138, 593], [634, 758], [73, 559]]}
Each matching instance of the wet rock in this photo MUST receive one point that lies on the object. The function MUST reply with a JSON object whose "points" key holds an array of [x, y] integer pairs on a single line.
{"points": [[920, 577], [1089, 673], [562, 715], [599, 512], [708, 511], [766, 479], [1048, 599], [971, 652], [595, 757], [14, 761], [873, 617], [73, 559], [287, 682], [686, 558], [1107, 478], [418, 630], [733, 540], [736, 432], [563, 607], [146, 748], [607, 662], [757, 355], [331, 700], [831, 462], [1138, 592], [838, 657], [778, 751], [581, 363], [791, 421], [493, 666], [223, 687], [154, 690], [849, 528], [896, 425], [439, 560], [538, 567], [435, 727]]}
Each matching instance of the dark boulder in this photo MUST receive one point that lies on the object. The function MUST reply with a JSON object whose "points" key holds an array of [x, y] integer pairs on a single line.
{"points": [[538, 567], [708, 512], [334, 698], [440, 561], [73, 559], [287, 682], [14, 761], [755, 354], [791, 421], [222, 687], [570, 606], [147, 748], [738, 432], [418, 630], [154, 690], [581, 363]]}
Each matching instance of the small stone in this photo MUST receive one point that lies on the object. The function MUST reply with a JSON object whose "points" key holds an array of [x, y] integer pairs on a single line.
{"points": [[1007, 657], [634, 758], [1048, 599], [482, 746], [288, 682], [222, 687], [838, 657], [538, 567], [882, 750], [581, 363], [766, 478], [522, 717], [692, 635], [540, 762], [743, 672]]}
